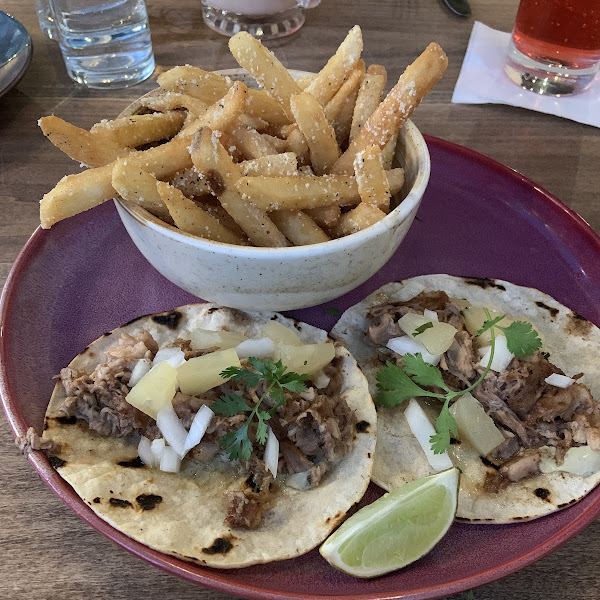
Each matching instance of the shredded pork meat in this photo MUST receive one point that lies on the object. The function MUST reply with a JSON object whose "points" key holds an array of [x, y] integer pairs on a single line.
{"points": [[315, 428], [528, 411], [32, 441]]}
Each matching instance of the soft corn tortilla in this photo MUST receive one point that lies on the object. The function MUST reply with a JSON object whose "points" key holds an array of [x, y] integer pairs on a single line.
{"points": [[183, 514], [573, 344]]}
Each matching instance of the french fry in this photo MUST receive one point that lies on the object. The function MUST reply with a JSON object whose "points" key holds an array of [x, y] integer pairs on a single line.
{"points": [[326, 217], [137, 130], [388, 152], [298, 227], [328, 81], [376, 69], [297, 144], [307, 192], [340, 108], [357, 219], [373, 186], [190, 182], [219, 213], [172, 101], [77, 193], [139, 186], [391, 114], [219, 170], [220, 115], [250, 143], [305, 81], [318, 133], [262, 64], [79, 144], [276, 142], [209, 87], [276, 165], [257, 123], [368, 99], [191, 218]]}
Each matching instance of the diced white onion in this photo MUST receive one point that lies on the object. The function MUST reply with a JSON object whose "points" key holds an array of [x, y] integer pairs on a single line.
{"points": [[261, 348], [142, 366], [298, 481], [172, 428], [430, 314], [502, 355], [174, 356], [145, 452], [579, 460], [198, 428], [170, 460], [272, 452], [408, 345], [558, 380], [320, 380], [156, 447], [422, 429]]}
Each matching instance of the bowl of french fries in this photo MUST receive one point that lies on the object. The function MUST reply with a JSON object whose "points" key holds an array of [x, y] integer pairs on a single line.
{"points": [[260, 188]]}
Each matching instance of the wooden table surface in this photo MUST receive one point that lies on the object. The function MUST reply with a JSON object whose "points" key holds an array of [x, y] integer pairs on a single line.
{"points": [[47, 551]]}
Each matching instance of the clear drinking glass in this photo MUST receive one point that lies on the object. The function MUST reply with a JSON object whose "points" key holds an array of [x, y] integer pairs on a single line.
{"points": [[264, 19], [45, 17], [555, 46], [105, 43]]}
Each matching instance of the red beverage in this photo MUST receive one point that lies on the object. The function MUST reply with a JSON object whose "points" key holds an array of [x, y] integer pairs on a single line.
{"points": [[564, 32]]}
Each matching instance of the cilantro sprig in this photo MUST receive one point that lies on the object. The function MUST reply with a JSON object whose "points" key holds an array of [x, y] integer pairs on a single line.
{"points": [[237, 443], [395, 385]]}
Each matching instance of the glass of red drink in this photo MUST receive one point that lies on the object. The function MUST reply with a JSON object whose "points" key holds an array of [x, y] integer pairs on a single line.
{"points": [[555, 46]]}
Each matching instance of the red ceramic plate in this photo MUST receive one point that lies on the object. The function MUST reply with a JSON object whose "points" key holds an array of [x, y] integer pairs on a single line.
{"points": [[478, 218]]}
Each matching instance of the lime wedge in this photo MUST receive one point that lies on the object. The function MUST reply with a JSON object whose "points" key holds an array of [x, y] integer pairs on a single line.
{"points": [[395, 530]]}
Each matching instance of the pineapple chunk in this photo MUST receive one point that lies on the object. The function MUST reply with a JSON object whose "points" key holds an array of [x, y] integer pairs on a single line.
{"points": [[437, 338], [305, 359], [475, 425], [205, 338], [155, 389], [280, 334], [199, 374], [474, 317]]}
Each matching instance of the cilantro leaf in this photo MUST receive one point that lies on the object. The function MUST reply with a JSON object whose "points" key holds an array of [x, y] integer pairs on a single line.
{"points": [[332, 310], [421, 328], [261, 428], [421, 372], [276, 394], [489, 323], [293, 381], [239, 373], [236, 443], [444, 425], [395, 386], [277, 379], [230, 405], [521, 338]]}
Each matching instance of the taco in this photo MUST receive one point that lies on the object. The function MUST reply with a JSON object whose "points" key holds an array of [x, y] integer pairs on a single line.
{"points": [[223, 508], [547, 454]]}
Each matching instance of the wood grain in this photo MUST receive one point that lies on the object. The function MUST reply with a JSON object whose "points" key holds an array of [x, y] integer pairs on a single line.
{"points": [[50, 553]]}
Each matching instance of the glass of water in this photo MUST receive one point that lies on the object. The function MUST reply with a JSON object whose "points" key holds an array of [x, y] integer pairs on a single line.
{"points": [[104, 43], [45, 18]]}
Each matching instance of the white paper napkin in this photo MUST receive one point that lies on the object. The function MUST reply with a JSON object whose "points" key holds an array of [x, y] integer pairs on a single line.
{"points": [[482, 80]]}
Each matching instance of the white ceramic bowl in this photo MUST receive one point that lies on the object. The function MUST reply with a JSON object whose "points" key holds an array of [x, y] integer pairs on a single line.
{"points": [[281, 278]]}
